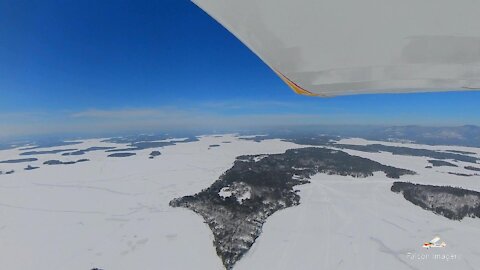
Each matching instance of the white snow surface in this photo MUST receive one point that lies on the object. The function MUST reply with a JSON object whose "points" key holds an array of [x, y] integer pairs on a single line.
{"points": [[225, 192], [113, 213], [241, 192], [258, 158]]}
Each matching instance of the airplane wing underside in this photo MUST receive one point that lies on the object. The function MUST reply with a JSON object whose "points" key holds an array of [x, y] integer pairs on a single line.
{"points": [[346, 47]]}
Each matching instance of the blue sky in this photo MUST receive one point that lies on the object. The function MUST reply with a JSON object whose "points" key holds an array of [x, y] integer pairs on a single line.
{"points": [[71, 66]]}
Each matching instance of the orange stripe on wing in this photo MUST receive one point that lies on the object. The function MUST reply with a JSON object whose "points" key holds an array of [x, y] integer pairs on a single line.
{"points": [[295, 87]]}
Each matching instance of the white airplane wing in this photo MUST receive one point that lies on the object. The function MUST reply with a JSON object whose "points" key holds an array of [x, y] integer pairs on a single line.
{"points": [[435, 240], [345, 47]]}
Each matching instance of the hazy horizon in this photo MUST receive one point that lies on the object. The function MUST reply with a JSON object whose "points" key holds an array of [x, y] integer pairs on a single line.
{"points": [[140, 66]]}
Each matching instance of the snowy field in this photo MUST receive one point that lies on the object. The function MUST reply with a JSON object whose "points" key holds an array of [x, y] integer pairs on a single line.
{"points": [[113, 213]]}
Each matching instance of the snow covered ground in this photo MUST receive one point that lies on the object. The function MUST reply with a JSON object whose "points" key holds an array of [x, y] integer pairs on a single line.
{"points": [[113, 213], [349, 223]]}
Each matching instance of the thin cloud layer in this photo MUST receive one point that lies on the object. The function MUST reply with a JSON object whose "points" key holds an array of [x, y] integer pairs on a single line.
{"points": [[207, 116]]}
